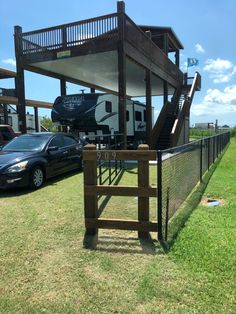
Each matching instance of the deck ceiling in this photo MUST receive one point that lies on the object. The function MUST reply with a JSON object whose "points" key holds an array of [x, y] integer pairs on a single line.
{"points": [[101, 70]]}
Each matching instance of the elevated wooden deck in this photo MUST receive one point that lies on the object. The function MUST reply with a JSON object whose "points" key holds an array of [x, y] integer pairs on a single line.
{"points": [[85, 52]]}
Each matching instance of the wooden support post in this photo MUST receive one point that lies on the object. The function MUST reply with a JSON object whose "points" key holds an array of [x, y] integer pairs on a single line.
{"points": [[177, 58], [90, 201], [148, 102], [122, 72], [63, 87], [5, 113], [165, 83], [143, 202], [64, 38], [20, 80], [36, 119]]}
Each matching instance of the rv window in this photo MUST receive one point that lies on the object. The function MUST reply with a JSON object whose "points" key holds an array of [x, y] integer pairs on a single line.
{"points": [[108, 106], [144, 116], [138, 116], [127, 115]]}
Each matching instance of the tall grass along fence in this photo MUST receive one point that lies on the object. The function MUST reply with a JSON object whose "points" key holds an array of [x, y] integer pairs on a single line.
{"points": [[179, 170]]}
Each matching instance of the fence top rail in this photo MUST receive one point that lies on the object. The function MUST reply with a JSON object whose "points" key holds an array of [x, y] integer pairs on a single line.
{"points": [[62, 26], [142, 155], [195, 142]]}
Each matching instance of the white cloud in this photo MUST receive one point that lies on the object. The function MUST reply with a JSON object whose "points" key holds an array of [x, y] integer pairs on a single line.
{"points": [[9, 61], [220, 70], [218, 65], [217, 103], [199, 48]]}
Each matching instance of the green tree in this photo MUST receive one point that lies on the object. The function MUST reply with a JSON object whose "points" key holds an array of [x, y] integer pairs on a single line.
{"points": [[233, 131], [47, 123]]}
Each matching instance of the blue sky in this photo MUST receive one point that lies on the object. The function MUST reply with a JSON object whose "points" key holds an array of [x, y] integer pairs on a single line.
{"points": [[205, 27]]}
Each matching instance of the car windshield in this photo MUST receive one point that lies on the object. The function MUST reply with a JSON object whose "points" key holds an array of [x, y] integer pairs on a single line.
{"points": [[26, 143]]}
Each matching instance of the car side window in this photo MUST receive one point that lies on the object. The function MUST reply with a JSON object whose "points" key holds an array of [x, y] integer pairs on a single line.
{"points": [[56, 141], [68, 140]]}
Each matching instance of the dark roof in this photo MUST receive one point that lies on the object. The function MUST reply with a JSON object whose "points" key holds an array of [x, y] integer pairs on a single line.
{"points": [[157, 33]]}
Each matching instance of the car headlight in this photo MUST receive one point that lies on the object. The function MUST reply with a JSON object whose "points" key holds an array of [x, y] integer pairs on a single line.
{"points": [[20, 166]]}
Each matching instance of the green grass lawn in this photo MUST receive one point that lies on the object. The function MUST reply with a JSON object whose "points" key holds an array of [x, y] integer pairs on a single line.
{"points": [[45, 269]]}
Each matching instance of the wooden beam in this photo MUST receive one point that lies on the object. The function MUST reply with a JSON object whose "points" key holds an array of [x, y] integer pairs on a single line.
{"points": [[122, 72], [90, 202], [4, 73], [120, 155], [20, 80], [36, 119], [148, 226], [113, 190], [148, 106], [29, 102], [143, 184]]}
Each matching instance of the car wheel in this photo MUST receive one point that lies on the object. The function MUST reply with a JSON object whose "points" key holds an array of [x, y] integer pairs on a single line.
{"points": [[36, 178]]}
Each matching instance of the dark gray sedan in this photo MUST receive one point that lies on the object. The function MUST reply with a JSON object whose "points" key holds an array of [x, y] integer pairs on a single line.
{"points": [[30, 159]]}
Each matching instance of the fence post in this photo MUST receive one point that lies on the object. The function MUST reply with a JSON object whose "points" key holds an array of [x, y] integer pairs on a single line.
{"points": [[90, 179], [201, 160], [213, 158], [208, 152], [143, 181], [159, 195]]}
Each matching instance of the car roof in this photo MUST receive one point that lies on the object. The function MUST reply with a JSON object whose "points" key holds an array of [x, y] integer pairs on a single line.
{"points": [[46, 134]]}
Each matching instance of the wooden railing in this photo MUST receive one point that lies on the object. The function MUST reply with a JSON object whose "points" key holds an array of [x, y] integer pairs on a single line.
{"points": [[105, 27], [146, 46], [143, 191], [184, 112], [70, 35], [166, 109]]}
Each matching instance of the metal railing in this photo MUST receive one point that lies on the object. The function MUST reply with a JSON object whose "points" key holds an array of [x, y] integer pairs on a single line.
{"points": [[180, 169], [108, 170]]}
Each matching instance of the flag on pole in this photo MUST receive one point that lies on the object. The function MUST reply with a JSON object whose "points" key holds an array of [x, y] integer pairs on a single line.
{"points": [[192, 62]]}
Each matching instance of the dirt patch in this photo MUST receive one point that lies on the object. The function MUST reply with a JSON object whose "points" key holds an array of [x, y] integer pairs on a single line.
{"points": [[206, 200]]}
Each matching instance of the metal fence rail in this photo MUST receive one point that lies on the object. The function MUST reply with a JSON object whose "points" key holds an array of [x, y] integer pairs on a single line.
{"points": [[108, 170], [179, 171]]}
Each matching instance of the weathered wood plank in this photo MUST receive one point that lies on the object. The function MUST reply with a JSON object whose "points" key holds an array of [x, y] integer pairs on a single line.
{"points": [[147, 226], [120, 155], [143, 183], [120, 191], [90, 201]]}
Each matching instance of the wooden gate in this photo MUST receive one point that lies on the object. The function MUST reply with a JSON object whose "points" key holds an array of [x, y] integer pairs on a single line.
{"points": [[143, 191]]}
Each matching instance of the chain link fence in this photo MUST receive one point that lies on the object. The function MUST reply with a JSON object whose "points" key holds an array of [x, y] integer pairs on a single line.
{"points": [[180, 169]]}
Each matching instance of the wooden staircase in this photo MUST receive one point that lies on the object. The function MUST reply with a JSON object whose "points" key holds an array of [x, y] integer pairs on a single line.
{"points": [[167, 129]]}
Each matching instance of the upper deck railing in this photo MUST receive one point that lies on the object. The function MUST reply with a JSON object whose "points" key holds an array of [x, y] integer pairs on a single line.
{"points": [[136, 37], [70, 35], [74, 35]]}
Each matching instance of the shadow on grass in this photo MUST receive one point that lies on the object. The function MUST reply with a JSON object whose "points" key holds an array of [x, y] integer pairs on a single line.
{"points": [[13, 192], [123, 245], [178, 221]]}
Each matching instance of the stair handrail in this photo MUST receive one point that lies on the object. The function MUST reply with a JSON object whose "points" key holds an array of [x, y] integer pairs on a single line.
{"points": [[177, 127], [159, 124]]}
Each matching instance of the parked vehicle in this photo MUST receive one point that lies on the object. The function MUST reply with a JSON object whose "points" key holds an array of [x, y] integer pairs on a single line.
{"points": [[30, 159], [98, 114], [6, 134]]}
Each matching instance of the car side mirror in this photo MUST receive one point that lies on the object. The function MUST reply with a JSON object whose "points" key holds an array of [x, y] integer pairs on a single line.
{"points": [[53, 148]]}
